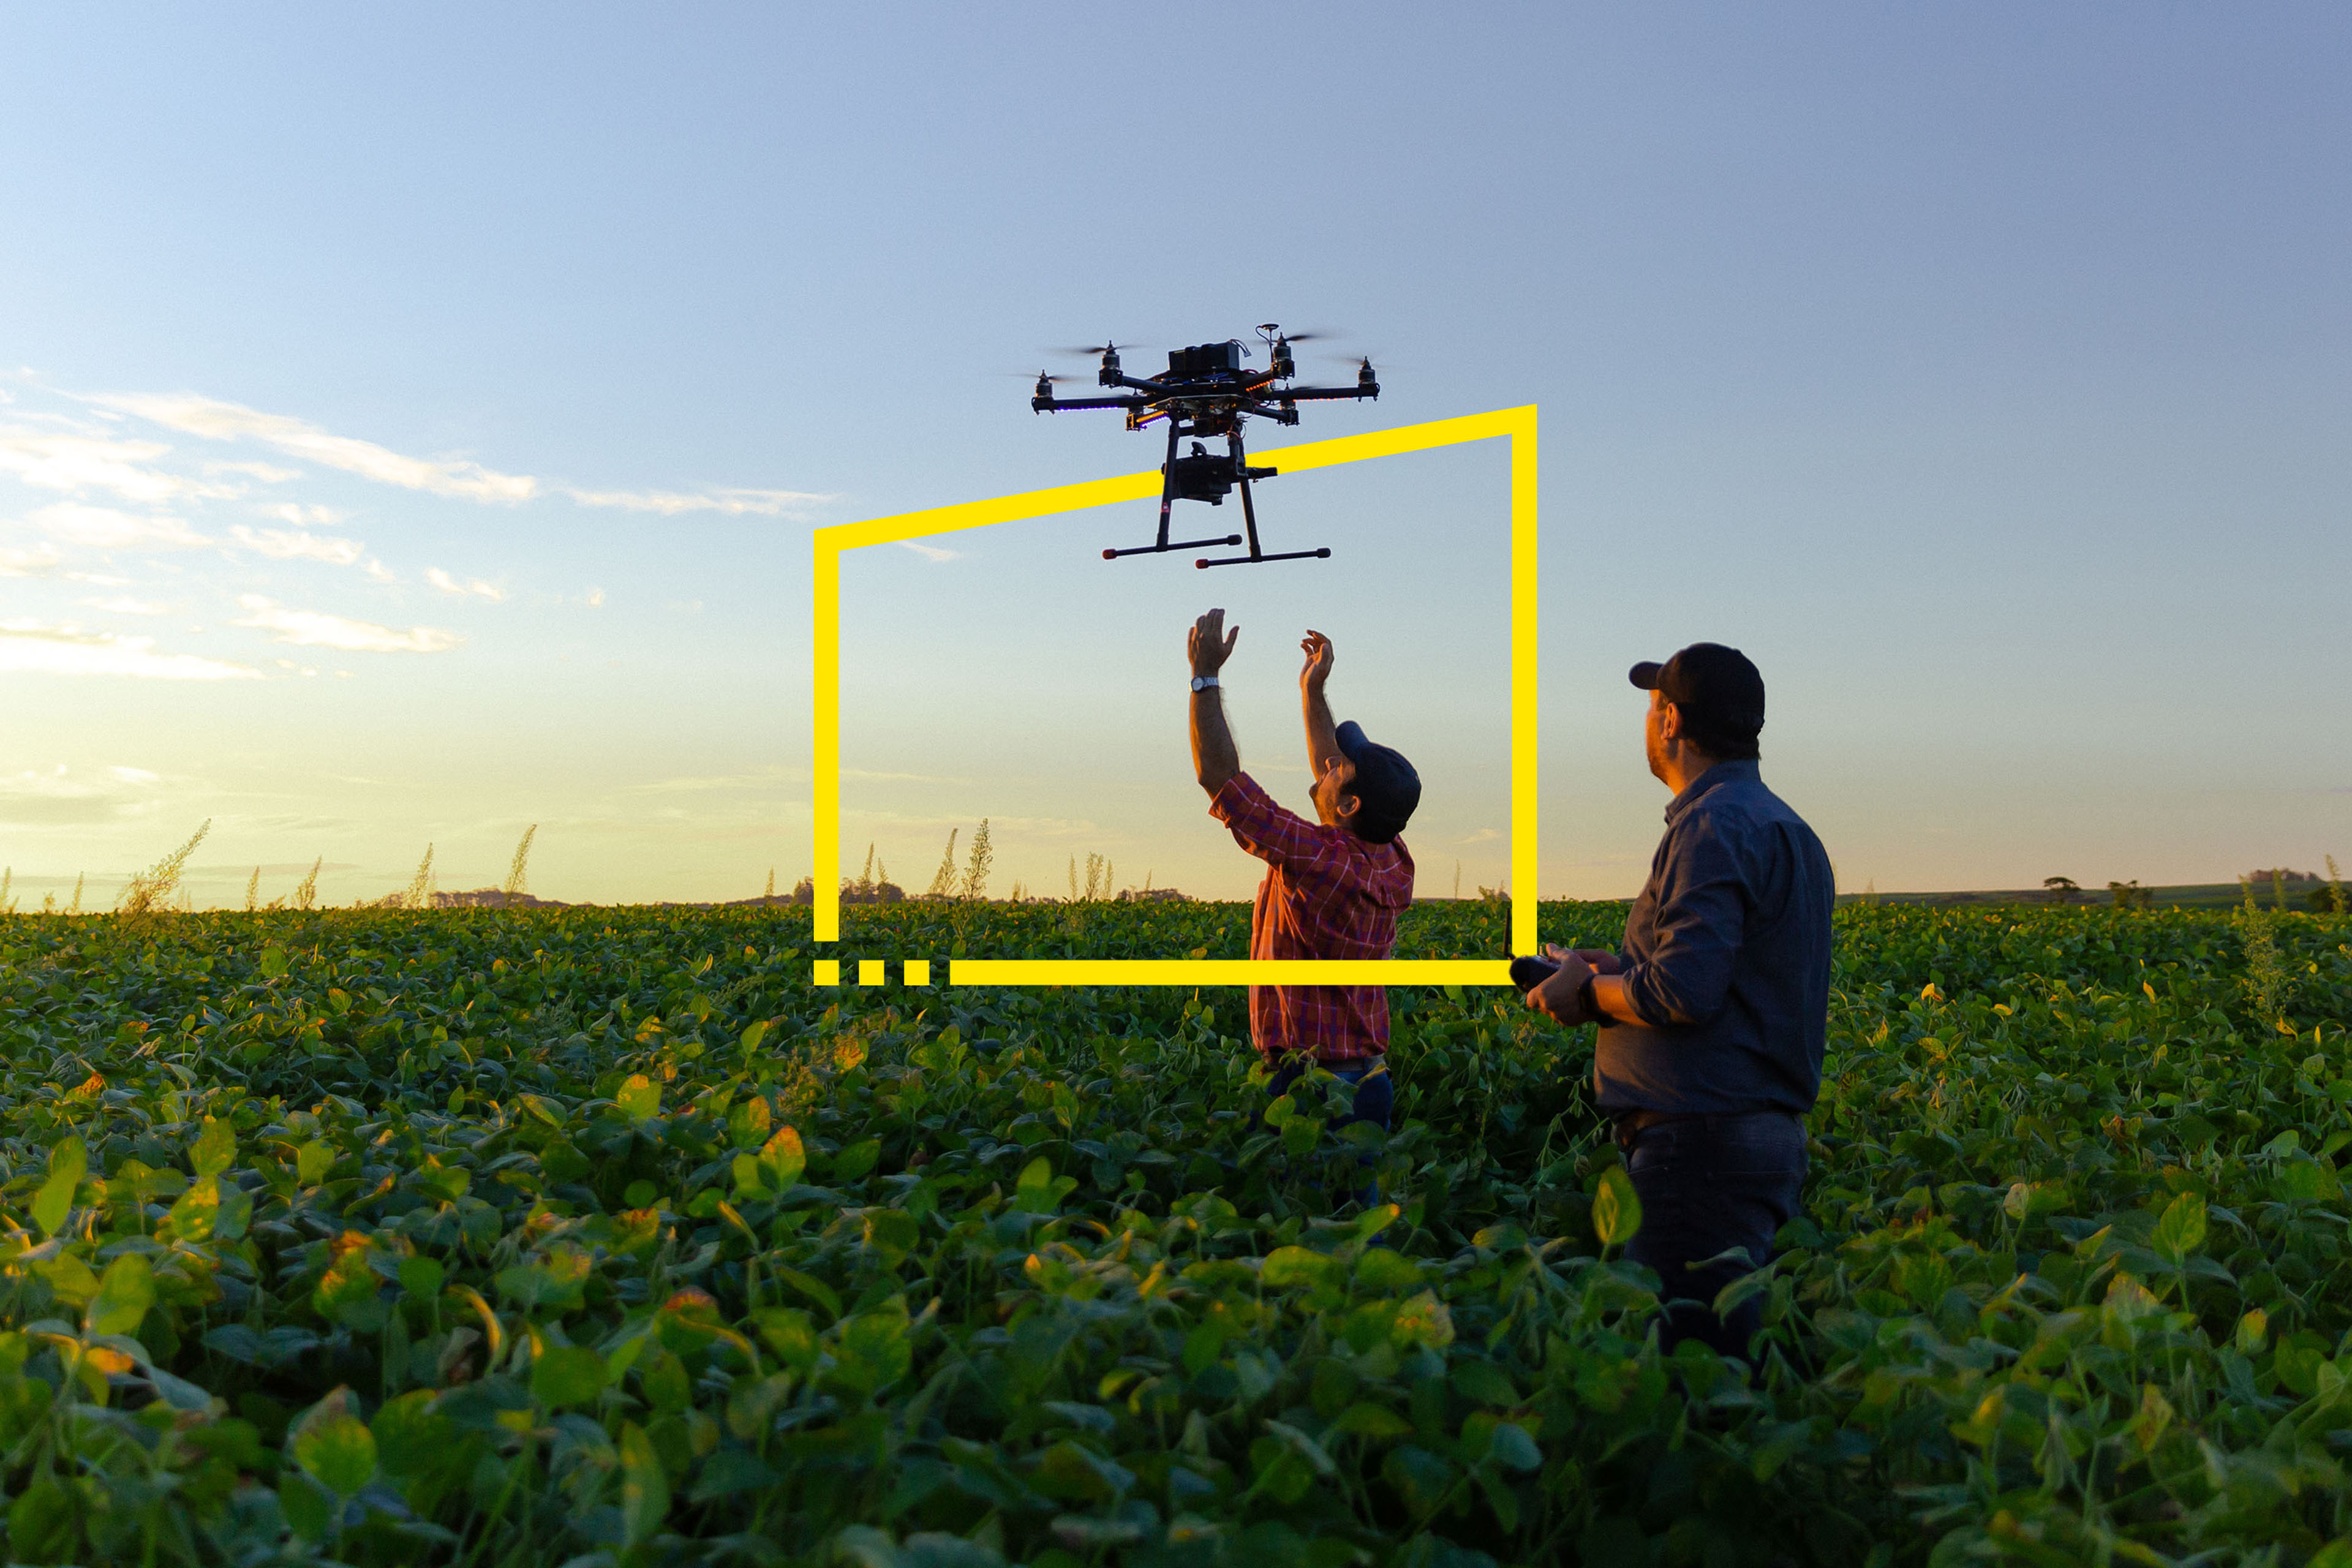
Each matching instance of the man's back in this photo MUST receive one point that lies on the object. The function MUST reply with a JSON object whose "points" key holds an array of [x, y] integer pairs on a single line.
{"points": [[1727, 959]]}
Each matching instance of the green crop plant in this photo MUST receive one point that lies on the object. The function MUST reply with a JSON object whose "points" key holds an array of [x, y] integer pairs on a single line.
{"points": [[602, 1236]]}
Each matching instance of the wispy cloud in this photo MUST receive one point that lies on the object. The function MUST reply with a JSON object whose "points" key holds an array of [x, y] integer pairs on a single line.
{"points": [[472, 587], [215, 420], [904, 778], [732, 502], [380, 572], [301, 516], [123, 606], [316, 628], [267, 473], [77, 464], [33, 647], [37, 562], [297, 544], [931, 552], [594, 599], [103, 528]]}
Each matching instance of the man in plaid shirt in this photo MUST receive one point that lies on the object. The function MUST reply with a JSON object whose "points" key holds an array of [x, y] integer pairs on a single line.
{"points": [[1333, 888]]}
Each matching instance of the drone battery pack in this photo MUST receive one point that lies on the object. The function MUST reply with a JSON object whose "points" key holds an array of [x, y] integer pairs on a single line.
{"points": [[1207, 359]]}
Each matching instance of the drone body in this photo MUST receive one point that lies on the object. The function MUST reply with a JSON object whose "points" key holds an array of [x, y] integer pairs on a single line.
{"points": [[1206, 392]]}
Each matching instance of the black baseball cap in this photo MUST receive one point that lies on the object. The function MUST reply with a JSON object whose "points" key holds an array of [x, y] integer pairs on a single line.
{"points": [[1385, 784], [1718, 691]]}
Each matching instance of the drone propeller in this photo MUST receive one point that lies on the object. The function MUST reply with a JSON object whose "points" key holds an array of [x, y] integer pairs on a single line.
{"points": [[1041, 376], [1096, 350]]}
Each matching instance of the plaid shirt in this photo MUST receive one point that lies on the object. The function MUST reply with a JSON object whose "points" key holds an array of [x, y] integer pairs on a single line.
{"points": [[1327, 894]]}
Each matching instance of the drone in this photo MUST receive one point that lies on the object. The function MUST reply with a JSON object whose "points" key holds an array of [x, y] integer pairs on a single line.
{"points": [[1207, 391]]}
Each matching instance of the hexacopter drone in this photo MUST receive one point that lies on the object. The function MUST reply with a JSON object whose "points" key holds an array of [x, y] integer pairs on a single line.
{"points": [[1207, 391]]}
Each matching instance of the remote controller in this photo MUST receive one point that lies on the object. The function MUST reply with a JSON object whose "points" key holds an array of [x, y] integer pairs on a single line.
{"points": [[1528, 972]]}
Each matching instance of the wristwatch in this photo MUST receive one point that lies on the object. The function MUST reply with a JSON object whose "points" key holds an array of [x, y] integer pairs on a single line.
{"points": [[1204, 683]]}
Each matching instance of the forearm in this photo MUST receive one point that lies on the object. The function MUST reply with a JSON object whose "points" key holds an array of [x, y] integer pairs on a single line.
{"points": [[1322, 741], [1214, 759], [1609, 995]]}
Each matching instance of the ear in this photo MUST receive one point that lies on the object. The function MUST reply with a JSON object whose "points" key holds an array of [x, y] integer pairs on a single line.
{"points": [[1345, 806], [1670, 721]]}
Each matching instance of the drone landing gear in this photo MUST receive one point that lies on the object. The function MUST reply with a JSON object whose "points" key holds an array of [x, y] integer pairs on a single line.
{"points": [[1204, 478], [1242, 474]]}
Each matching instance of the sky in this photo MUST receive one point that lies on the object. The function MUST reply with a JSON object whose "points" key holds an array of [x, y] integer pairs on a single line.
{"points": [[413, 421]]}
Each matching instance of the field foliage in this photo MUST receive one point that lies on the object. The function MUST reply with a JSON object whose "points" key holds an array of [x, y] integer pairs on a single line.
{"points": [[597, 1237]]}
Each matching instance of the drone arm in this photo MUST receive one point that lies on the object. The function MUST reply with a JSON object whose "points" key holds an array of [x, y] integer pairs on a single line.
{"points": [[1324, 394], [1055, 405]]}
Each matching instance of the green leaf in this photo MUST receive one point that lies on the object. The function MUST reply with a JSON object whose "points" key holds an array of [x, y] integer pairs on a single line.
{"points": [[216, 1149], [784, 1159], [312, 1162], [192, 1218], [1370, 1420], [753, 1034], [1287, 1266], [566, 1375], [338, 1451], [1616, 1211], [411, 1437], [644, 1486], [1511, 1447], [853, 1162], [639, 1098], [68, 1162], [2182, 1231], [124, 1294], [273, 963], [421, 1278]]}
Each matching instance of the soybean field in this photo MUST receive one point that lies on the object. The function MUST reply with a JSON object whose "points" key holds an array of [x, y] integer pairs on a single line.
{"points": [[603, 1236]]}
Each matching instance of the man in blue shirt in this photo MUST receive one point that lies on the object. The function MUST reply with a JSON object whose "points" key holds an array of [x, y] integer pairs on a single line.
{"points": [[1714, 1016]]}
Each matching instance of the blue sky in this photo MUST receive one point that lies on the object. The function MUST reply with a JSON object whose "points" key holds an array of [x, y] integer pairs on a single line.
{"points": [[1981, 370]]}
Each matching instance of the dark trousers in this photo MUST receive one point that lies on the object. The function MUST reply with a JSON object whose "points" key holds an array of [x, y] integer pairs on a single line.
{"points": [[1375, 1102], [1708, 1184]]}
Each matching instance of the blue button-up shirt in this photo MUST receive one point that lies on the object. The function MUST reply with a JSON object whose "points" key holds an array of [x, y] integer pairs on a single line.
{"points": [[1727, 959]]}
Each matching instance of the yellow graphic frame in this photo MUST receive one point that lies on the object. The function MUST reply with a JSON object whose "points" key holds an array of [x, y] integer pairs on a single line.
{"points": [[1516, 425]]}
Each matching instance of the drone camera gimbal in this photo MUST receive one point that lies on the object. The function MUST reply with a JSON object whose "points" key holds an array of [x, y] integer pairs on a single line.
{"points": [[1207, 392]]}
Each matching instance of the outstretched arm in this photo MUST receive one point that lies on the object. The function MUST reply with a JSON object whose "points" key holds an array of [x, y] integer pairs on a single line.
{"points": [[1214, 759], [1322, 744]]}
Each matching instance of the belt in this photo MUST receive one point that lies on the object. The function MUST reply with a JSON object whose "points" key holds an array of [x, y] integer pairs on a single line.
{"points": [[1625, 1125]]}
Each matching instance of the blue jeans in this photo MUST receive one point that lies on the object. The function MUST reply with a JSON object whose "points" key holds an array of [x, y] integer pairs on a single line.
{"points": [[1375, 1102], [1708, 1184]]}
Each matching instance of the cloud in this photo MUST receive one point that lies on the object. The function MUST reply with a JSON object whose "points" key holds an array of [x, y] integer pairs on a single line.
{"points": [[380, 572], [763, 779], [215, 420], [267, 473], [907, 778], [302, 516], [474, 587], [34, 563], [135, 775], [296, 544], [78, 463], [596, 599], [732, 502], [930, 552], [1483, 835], [103, 528], [122, 605], [315, 628], [32, 648]]}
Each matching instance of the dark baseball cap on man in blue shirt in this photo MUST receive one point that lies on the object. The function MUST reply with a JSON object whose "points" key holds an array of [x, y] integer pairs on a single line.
{"points": [[1720, 691], [1385, 784]]}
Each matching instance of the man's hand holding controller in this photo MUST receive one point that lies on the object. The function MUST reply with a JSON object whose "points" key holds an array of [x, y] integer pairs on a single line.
{"points": [[1559, 983]]}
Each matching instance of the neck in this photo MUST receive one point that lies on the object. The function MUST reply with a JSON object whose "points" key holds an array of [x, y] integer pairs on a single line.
{"points": [[1682, 770]]}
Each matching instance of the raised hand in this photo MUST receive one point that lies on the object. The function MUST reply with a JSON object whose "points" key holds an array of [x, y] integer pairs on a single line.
{"points": [[1320, 657], [1209, 644]]}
